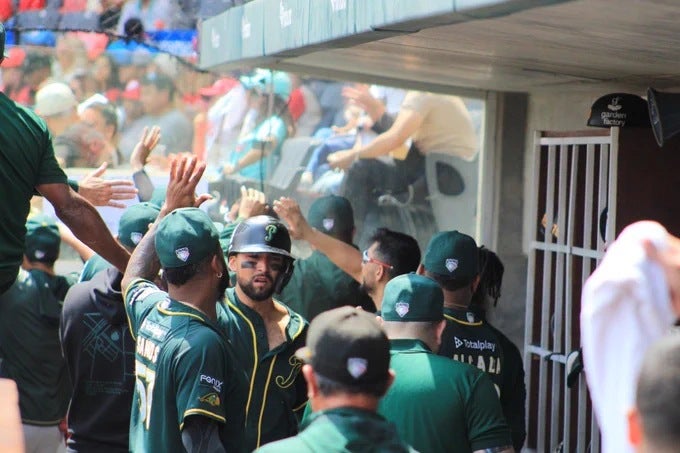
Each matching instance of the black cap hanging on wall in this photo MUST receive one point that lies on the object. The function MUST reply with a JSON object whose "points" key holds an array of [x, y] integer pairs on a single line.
{"points": [[619, 110]]}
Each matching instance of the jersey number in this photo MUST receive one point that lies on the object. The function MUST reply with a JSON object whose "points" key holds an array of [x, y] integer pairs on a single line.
{"points": [[144, 383]]}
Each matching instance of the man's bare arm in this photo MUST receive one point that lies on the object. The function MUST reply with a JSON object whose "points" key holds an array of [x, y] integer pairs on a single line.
{"points": [[341, 254], [84, 221]]}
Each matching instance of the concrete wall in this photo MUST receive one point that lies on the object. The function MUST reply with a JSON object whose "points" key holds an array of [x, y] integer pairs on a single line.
{"points": [[508, 316]]}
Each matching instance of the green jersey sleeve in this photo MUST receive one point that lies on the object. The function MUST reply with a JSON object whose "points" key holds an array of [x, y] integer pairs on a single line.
{"points": [[486, 425], [140, 298], [49, 171], [200, 374]]}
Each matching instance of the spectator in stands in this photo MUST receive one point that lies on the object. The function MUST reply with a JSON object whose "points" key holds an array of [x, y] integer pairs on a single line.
{"points": [[12, 72], [56, 104], [329, 95], [259, 145], [103, 118], [131, 104], [157, 97], [70, 57], [154, 15], [36, 70], [228, 103], [436, 123], [105, 78]]}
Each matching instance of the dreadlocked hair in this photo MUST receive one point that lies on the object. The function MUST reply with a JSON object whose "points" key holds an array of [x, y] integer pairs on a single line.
{"points": [[491, 277]]}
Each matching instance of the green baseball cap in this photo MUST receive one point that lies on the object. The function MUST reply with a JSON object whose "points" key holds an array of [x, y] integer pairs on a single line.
{"points": [[452, 254], [134, 223], [42, 239], [185, 236], [331, 214], [158, 196], [412, 298]]}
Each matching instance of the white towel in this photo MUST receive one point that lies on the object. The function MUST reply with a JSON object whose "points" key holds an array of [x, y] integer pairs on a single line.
{"points": [[625, 308]]}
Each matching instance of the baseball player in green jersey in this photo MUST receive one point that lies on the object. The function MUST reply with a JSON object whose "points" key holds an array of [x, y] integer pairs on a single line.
{"points": [[452, 260], [189, 391], [27, 165], [347, 362], [513, 388], [317, 284], [390, 253], [438, 405], [30, 352], [265, 333]]}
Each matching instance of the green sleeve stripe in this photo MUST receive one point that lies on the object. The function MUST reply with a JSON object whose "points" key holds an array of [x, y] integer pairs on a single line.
{"points": [[202, 412]]}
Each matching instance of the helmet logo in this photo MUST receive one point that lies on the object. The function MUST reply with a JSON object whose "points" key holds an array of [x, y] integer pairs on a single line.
{"points": [[328, 224], [270, 232], [136, 237]]}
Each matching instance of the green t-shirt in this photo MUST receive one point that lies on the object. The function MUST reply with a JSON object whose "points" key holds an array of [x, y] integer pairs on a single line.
{"points": [[440, 405], [184, 366], [318, 285], [342, 430], [277, 392], [26, 161], [30, 351], [92, 267]]}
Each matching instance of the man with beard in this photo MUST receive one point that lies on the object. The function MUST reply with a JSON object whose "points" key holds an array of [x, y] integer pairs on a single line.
{"points": [[265, 333], [190, 390], [389, 255]]}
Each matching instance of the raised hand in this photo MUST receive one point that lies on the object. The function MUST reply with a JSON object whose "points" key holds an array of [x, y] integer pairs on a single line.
{"points": [[289, 211], [143, 148], [252, 203], [185, 173]]}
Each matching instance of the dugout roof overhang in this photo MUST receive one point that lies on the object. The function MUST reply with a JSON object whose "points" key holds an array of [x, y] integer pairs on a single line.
{"points": [[473, 45]]}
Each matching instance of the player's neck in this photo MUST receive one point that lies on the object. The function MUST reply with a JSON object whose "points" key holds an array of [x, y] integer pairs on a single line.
{"points": [[195, 295]]}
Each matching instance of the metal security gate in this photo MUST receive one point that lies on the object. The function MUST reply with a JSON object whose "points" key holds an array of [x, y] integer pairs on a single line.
{"points": [[573, 212]]}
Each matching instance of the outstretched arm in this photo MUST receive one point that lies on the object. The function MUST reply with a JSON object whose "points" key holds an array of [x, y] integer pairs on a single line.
{"points": [[84, 220], [341, 254]]}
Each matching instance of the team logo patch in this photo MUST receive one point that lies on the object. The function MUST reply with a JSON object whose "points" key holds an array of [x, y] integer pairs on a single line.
{"points": [[401, 308], [457, 341], [451, 264], [470, 316], [183, 253], [211, 398], [356, 366], [328, 224], [135, 237], [270, 232], [39, 254]]}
